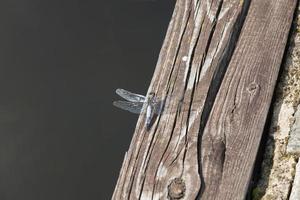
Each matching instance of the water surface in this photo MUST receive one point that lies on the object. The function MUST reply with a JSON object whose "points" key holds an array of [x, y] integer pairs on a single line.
{"points": [[61, 60]]}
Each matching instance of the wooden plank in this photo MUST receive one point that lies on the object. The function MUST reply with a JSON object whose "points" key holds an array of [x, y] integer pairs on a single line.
{"points": [[163, 163], [231, 138]]}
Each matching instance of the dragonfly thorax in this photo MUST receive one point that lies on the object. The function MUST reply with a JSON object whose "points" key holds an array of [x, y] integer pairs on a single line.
{"points": [[137, 103]]}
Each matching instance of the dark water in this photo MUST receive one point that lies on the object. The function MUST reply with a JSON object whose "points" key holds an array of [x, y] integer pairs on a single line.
{"points": [[61, 60]]}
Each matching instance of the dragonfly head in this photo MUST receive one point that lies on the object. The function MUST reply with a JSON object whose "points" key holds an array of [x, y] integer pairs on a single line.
{"points": [[151, 98], [151, 94]]}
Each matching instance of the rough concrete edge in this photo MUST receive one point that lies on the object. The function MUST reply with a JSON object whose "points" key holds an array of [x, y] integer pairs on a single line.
{"points": [[293, 146], [295, 193], [278, 167]]}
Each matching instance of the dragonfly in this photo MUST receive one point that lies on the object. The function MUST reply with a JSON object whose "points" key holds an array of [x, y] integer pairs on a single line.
{"points": [[136, 103]]}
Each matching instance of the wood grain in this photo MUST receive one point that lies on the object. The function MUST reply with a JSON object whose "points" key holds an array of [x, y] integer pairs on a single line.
{"points": [[232, 134], [175, 159]]}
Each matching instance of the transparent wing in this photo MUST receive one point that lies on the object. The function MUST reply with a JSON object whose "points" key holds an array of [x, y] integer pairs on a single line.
{"points": [[129, 96], [134, 107], [158, 107]]}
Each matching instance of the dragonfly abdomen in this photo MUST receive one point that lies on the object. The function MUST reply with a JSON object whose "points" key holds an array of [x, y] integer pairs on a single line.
{"points": [[149, 114]]}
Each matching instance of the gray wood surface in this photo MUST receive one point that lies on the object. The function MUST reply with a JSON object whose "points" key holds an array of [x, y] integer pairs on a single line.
{"points": [[182, 156], [232, 134]]}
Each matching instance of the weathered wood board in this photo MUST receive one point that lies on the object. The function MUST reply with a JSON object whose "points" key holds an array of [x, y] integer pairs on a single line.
{"points": [[232, 134], [180, 157]]}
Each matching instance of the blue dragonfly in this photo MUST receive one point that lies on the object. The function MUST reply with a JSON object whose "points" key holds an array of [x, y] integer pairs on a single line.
{"points": [[136, 103]]}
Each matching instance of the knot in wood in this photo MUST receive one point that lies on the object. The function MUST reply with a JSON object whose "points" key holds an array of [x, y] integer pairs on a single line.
{"points": [[176, 189], [252, 87]]}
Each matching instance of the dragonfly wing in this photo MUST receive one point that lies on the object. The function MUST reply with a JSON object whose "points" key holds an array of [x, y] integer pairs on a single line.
{"points": [[133, 107], [129, 96], [158, 107]]}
